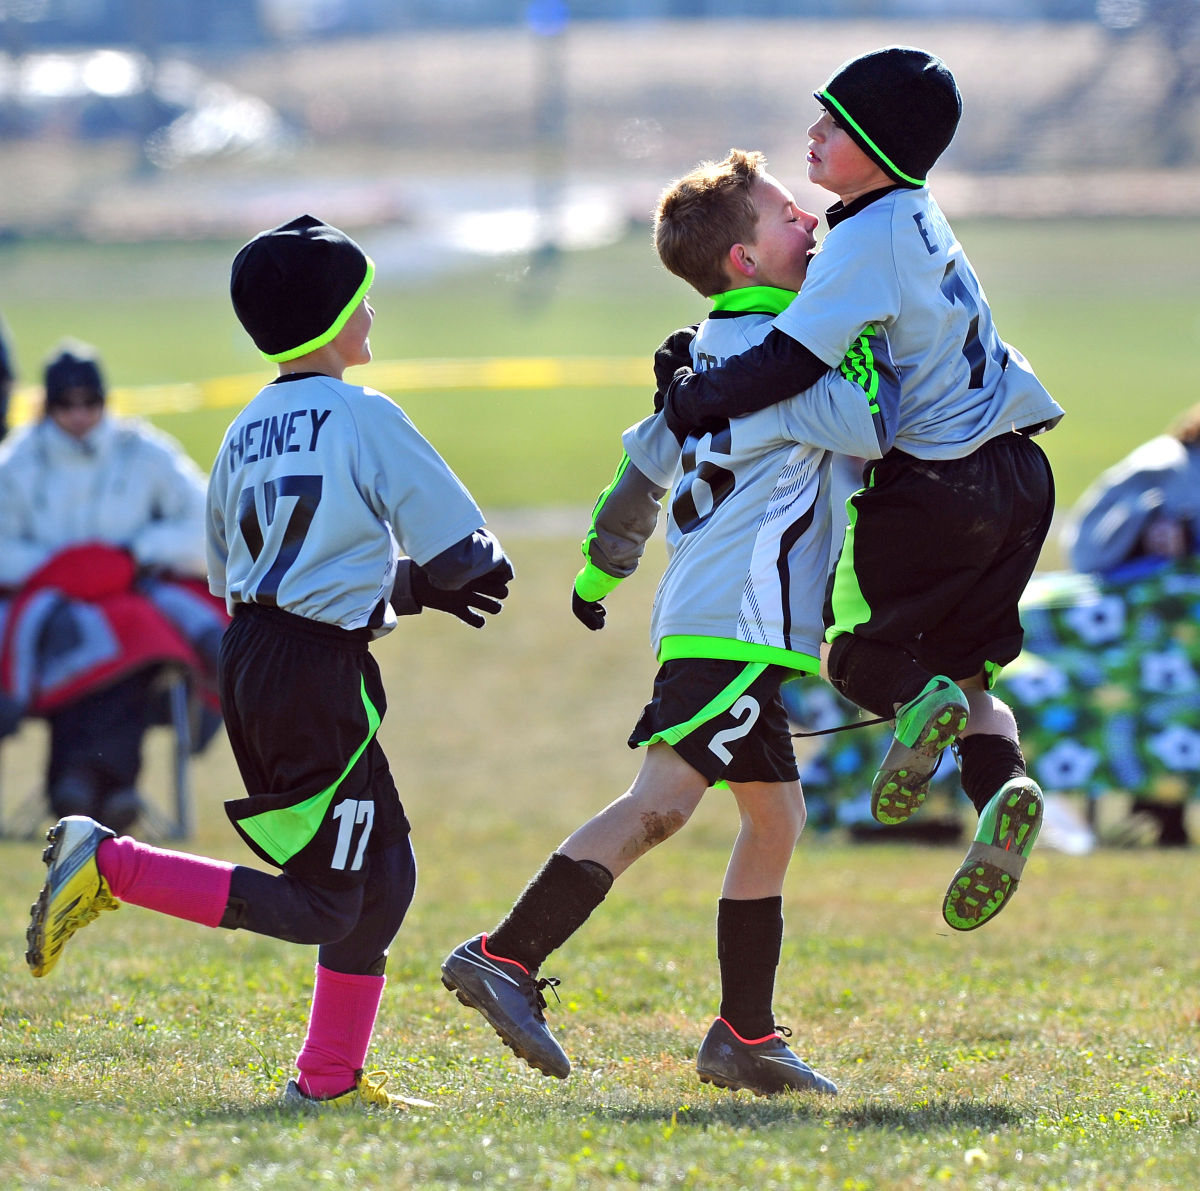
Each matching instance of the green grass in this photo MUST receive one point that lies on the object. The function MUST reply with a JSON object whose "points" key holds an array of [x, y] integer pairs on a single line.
{"points": [[1058, 1048], [1105, 310]]}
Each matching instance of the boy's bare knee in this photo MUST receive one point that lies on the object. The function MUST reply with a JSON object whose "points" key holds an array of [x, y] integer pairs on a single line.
{"points": [[773, 810]]}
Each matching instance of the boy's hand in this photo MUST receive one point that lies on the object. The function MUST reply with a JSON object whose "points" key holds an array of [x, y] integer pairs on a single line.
{"points": [[677, 425], [589, 613], [484, 594], [673, 353]]}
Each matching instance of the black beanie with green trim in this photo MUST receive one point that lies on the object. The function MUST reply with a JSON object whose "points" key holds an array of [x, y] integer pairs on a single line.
{"points": [[294, 286], [900, 105]]}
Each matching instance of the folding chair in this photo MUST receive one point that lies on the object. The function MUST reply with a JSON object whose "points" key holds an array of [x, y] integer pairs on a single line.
{"points": [[25, 819]]}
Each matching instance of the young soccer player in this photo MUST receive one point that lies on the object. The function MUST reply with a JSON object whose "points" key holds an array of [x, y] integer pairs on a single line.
{"points": [[317, 488], [944, 536], [736, 611]]}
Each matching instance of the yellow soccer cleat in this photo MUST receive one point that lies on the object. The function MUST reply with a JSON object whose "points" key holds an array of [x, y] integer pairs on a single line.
{"points": [[74, 893], [368, 1092]]}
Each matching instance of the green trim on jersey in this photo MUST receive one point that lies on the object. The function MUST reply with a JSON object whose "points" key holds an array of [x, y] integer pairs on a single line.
{"points": [[858, 366], [879, 153], [754, 299], [282, 833], [592, 583], [726, 649], [338, 323], [722, 702], [849, 605]]}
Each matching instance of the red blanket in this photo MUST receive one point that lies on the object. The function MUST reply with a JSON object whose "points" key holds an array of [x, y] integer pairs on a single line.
{"points": [[85, 619]]}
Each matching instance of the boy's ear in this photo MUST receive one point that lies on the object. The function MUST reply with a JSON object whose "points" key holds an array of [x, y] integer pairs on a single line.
{"points": [[742, 260]]}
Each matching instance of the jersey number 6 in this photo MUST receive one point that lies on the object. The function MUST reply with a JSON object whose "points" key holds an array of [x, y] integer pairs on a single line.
{"points": [[703, 477]]}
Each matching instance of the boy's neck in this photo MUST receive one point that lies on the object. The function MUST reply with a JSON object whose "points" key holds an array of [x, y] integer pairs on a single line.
{"points": [[842, 210], [325, 361]]}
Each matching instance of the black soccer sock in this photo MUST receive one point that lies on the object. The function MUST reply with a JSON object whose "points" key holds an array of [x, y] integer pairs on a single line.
{"points": [[874, 674], [552, 907], [749, 936], [987, 762]]}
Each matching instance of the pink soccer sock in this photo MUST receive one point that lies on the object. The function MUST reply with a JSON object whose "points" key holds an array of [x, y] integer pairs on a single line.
{"points": [[176, 883], [339, 1031]]}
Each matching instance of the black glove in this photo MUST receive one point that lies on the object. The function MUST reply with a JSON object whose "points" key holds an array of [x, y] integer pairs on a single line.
{"points": [[675, 424], [589, 613], [673, 353], [484, 593]]}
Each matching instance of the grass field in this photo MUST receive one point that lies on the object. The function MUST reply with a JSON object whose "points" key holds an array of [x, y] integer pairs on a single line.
{"points": [[1104, 309], [1058, 1048]]}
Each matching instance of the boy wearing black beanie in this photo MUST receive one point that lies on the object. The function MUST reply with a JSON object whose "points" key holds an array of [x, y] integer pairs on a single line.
{"points": [[921, 608], [328, 514]]}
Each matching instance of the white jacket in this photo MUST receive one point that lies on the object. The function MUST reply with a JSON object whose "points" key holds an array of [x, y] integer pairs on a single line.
{"points": [[125, 483]]}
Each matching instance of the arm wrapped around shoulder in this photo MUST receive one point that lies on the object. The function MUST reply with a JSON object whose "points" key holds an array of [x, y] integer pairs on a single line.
{"points": [[773, 370], [471, 577], [673, 353]]}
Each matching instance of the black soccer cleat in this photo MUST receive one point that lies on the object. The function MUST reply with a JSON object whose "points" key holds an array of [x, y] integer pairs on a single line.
{"points": [[511, 999], [765, 1066]]}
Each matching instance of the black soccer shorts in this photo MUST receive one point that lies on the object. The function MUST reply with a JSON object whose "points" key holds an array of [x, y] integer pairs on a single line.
{"points": [[938, 553], [724, 718], [302, 703]]}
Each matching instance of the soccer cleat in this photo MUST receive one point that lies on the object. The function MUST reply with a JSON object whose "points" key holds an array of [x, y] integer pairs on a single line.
{"points": [[988, 877], [74, 893], [368, 1092], [765, 1066], [511, 999], [925, 727]]}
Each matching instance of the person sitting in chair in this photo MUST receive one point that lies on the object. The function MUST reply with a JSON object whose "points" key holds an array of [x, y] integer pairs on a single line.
{"points": [[1144, 512], [101, 584]]}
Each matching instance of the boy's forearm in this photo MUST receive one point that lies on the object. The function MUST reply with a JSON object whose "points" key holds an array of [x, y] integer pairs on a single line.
{"points": [[470, 558], [774, 370], [625, 517]]}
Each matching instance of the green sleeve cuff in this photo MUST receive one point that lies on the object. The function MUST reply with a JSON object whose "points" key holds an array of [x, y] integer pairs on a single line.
{"points": [[593, 584]]}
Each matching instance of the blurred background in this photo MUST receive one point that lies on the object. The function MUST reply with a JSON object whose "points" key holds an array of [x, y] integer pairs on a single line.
{"points": [[165, 118], [500, 160]]}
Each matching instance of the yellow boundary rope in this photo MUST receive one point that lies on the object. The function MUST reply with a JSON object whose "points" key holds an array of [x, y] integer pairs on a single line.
{"points": [[391, 376]]}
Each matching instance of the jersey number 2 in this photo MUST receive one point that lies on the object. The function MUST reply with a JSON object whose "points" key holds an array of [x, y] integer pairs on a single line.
{"points": [[747, 710], [285, 539]]}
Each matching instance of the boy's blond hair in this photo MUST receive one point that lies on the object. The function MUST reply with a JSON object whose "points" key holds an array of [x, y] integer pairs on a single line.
{"points": [[703, 214]]}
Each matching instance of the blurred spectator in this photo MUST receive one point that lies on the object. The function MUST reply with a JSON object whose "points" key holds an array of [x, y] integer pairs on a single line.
{"points": [[102, 572], [1144, 510], [1145, 506], [8, 376]]}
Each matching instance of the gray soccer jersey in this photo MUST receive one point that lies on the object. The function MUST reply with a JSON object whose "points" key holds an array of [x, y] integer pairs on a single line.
{"points": [[316, 487], [749, 519], [897, 264]]}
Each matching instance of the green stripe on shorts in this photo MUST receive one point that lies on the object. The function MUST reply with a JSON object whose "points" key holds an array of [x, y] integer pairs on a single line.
{"points": [[849, 605], [284, 832], [720, 703]]}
